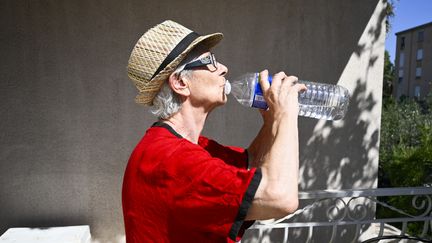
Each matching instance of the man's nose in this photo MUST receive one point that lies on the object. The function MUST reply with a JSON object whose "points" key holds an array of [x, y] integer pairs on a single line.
{"points": [[223, 68]]}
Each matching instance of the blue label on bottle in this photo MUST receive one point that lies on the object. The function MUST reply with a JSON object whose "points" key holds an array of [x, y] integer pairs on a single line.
{"points": [[258, 99]]}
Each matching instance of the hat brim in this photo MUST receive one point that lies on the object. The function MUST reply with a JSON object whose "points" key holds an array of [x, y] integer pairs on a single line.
{"points": [[207, 41]]}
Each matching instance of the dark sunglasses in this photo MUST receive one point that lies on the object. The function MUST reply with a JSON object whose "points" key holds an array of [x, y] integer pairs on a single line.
{"points": [[208, 61]]}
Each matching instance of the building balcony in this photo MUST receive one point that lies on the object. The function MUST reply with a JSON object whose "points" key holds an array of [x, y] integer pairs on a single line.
{"points": [[349, 216]]}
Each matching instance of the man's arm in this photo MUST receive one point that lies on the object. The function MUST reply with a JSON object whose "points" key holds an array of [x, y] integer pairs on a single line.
{"points": [[276, 150], [259, 145]]}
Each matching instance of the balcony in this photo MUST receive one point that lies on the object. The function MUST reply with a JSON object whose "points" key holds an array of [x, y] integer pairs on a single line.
{"points": [[349, 216]]}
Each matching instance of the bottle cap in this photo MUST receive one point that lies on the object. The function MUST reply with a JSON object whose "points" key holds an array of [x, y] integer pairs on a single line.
{"points": [[227, 87]]}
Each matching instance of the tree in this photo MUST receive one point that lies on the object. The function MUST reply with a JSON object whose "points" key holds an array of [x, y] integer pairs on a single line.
{"points": [[389, 11], [389, 69], [405, 153], [389, 72]]}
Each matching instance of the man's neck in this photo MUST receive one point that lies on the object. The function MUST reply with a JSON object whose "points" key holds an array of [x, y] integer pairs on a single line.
{"points": [[188, 122]]}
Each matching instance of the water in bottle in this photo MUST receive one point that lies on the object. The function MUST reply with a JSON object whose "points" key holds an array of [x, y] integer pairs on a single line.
{"points": [[320, 101]]}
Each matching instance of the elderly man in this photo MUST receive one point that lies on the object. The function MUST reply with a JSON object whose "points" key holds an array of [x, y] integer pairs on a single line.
{"points": [[182, 187]]}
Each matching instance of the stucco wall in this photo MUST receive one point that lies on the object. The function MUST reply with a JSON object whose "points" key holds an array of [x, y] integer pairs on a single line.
{"points": [[68, 120]]}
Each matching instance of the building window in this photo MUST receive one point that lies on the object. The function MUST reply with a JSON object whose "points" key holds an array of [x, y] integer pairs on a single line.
{"points": [[419, 54], [420, 36], [402, 45], [400, 75], [418, 72], [399, 91], [401, 59], [417, 91]]}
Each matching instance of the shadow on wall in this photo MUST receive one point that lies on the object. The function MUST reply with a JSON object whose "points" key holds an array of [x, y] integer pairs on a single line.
{"points": [[343, 154], [350, 166], [354, 141]]}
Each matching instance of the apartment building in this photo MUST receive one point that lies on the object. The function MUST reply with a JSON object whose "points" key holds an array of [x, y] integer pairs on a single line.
{"points": [[413, 63]]}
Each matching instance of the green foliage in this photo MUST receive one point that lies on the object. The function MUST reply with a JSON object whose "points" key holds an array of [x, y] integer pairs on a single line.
{"points": [[412, 166], [389, 74], [406, 143], [389, 11], [405, 152]]}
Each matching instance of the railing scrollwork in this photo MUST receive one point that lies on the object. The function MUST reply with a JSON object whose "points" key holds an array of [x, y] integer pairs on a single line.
{"points": [[355, 208]]}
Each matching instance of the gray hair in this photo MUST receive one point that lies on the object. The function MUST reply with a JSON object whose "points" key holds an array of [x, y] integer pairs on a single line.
{"points": [[166, 103]]}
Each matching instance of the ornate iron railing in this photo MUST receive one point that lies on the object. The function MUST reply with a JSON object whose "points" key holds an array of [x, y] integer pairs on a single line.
{"points": [[349, 216]]}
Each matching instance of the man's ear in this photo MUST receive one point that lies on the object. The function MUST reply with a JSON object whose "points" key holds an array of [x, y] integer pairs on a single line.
{"points": [[179, 85]]}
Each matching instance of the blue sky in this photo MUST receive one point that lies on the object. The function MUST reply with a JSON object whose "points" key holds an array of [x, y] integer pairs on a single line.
{"points": [[408, 14]]}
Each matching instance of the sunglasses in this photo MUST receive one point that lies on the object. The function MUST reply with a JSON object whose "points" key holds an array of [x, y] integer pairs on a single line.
{"points": [[208, 61]]}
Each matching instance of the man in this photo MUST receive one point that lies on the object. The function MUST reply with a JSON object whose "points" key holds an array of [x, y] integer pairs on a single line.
{"points": [[183, 187]]}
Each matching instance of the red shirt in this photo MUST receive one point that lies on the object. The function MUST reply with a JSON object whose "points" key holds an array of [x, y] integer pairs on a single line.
{"points": [[177, 191]]}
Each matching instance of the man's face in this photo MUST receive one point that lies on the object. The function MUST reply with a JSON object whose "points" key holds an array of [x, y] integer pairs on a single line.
{"points": [[207, 84]]}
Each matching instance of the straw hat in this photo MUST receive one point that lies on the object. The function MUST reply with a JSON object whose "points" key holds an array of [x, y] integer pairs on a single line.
{"points": [[158, 53]]}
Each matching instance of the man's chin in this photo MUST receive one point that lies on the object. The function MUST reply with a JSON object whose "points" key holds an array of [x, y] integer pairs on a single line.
{"points": [[224, 99]]}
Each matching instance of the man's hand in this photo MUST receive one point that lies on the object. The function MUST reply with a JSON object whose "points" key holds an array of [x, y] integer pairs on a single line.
{"points": [[281, 96]]}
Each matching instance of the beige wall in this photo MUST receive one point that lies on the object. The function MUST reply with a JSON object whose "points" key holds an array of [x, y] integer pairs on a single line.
{"points": [[69, 122]]}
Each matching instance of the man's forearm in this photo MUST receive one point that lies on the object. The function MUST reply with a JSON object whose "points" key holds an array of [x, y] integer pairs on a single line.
{"points": [[278, 191], [259, 145], [282, 160]]}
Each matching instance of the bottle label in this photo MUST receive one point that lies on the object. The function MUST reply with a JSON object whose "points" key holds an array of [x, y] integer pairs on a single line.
{"points": [[258, 99]]}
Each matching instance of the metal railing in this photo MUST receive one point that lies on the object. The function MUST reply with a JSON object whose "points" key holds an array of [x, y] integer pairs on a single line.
{"points": [[334, 211]]}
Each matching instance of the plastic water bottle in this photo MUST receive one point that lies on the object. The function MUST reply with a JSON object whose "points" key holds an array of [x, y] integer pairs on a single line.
{"points": [[320, 101]]}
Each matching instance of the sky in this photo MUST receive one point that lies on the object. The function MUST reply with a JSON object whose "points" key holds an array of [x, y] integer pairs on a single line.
{"points": [[408, 14]]}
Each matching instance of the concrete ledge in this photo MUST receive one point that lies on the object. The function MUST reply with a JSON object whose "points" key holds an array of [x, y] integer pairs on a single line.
{"points": [[69, 234]]}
